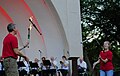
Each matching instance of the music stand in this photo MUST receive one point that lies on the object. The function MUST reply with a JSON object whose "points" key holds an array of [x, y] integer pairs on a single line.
{"points": [[33, 65], [46, 63], [22, 72], [20, 64]]}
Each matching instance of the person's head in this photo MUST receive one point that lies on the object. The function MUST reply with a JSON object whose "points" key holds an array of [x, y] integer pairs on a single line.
{"points": [[64, 58], [106, 45], [11, 28], [36, 60], [81, 59], [52, 58], [43, 58]]}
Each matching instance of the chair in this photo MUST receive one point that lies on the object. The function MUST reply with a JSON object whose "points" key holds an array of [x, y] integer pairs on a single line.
{"points": [[81, 72]]}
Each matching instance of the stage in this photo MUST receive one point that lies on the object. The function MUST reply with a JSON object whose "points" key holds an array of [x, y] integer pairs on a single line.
{"points": [[57, 20]]}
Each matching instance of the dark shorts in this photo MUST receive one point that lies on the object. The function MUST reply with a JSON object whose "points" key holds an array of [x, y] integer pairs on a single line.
{"points": [[10, 66]]}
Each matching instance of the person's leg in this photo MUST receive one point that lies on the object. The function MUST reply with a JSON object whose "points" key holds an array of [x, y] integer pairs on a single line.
{"points": [[40, 73], [1, 73], [109, 73], [102, 73], [58, 73], [10, 66], [65, 72]]}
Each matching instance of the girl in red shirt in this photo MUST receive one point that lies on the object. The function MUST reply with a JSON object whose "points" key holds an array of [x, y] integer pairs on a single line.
{"points": [[105, 60]]}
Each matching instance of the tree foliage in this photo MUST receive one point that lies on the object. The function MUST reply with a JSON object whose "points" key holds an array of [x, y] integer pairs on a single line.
{"points": [[100, 20]]}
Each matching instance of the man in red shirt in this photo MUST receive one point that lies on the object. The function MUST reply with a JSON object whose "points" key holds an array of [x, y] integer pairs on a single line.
{"points": [[10, 52], [105, 60]]}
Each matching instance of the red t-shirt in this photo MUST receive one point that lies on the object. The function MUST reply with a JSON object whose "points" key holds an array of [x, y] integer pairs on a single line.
{"points": [[108, 65], [10, 42]]}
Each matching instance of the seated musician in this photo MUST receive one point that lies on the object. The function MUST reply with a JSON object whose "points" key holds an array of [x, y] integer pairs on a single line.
{"points": [[64, 66], [53, 66], [45, 67], [24, 69], [82, 66], [36, 67]]}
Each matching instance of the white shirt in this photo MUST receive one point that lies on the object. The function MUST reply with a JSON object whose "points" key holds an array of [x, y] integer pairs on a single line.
{"points": [[0, 66], [55, 63], [65, 67], [83, 65], [27, 67]]}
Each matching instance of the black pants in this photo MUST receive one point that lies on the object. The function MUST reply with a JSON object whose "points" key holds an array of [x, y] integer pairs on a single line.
{"points": [[22, 72], [64, 72], [34, 72], [53, 72], [2, 73]]}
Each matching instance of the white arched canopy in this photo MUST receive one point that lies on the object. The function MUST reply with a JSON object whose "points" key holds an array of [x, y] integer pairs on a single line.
{"points": [[57, 20], [52, 42]]}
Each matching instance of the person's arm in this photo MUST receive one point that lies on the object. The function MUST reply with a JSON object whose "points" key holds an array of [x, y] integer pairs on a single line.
{"points": [[54, 64], [18, 52], [104, 60], [26, 45], [108, 58], [95, 63], [66, 63], [85, 65]]}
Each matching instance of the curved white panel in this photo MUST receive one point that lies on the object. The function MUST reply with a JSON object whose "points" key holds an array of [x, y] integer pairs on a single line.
{"points": [[69, 13], [51, 26], [53, 40], [60, 36]]}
